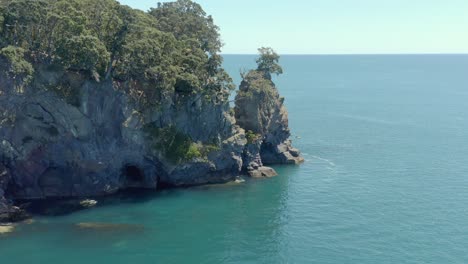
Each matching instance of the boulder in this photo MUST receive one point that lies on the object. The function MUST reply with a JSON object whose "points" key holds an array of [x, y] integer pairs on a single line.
{"points": [[263, 172]]}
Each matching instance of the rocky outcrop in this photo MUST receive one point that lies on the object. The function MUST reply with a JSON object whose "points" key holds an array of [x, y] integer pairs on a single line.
{"points": [[261, 112], [93, 142], [67, 136]]}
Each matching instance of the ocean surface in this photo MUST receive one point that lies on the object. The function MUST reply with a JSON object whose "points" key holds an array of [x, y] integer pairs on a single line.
{"points": [[385, 181]]}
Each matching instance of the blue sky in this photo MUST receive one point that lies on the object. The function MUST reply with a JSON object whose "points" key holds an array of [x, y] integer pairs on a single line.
{"points": [[338, 26]]}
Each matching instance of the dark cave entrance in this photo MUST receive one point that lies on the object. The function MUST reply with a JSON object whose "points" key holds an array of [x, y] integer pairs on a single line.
{"points": [[132, 174]]}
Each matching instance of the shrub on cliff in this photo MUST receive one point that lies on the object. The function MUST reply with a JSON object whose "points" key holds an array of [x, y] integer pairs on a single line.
{"points": [[176, 146], [256, 83], [18, 68], [251, 136], [171, 143]]}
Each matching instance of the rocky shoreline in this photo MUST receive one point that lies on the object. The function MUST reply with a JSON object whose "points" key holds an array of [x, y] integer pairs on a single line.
{"points": [[50, 148]]}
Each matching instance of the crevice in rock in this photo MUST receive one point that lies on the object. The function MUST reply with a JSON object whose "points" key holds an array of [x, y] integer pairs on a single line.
{"points": [[132, 176]]}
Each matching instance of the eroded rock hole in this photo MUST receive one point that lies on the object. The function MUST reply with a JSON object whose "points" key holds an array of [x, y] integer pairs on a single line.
{"points": [[133, 174]]}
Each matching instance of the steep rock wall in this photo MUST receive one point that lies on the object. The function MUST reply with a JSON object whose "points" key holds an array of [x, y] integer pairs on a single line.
{"points": [[261, 112]]}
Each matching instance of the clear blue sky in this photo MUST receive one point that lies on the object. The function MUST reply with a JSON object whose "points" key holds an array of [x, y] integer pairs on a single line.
{"points": [[338, 26]]}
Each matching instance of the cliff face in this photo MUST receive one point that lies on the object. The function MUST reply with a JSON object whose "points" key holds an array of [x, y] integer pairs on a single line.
{"points": [[261, 112], [98, 141]]}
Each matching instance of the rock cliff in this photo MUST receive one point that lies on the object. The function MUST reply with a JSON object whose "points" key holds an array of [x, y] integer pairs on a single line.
{"points": [[99, 141]]}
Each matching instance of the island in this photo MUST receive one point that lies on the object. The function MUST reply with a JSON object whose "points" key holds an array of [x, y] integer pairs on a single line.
{"points": [[97, 97]]}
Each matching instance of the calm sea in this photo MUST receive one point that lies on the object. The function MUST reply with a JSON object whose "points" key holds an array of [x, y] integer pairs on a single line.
{"points": [[385, 181]]}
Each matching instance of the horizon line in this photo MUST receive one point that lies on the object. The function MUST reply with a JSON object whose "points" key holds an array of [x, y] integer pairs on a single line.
{"points": [[347, 54]]}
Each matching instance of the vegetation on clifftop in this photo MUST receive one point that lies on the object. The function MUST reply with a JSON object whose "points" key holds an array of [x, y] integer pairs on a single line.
{"points": [[259, 81], [173, 48], [268, 62]]}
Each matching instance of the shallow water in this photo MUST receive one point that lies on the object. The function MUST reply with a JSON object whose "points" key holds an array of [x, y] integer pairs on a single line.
{"points": [[385, 181]]}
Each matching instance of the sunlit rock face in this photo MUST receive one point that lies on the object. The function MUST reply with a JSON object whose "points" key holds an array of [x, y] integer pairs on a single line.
{"points": [[261, 112]]}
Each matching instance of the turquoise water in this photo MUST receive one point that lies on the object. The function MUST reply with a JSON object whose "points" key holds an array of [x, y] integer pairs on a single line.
{"points": [[386, 181]]}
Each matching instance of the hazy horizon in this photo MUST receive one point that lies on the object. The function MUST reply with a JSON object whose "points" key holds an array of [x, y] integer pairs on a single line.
{"points": [[348, 54]]}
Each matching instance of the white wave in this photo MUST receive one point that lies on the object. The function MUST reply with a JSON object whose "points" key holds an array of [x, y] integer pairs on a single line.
{"points": [[329, 162]]}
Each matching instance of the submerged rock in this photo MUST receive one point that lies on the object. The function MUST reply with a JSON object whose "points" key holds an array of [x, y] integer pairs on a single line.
{"points": [[110, 227], [5, 229], [88, 203]]}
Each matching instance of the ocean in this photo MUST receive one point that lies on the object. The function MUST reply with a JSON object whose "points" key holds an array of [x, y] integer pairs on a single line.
{"points": [[385, 180]]}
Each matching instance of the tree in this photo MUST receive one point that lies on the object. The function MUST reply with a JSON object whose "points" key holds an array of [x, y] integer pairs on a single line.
{"points": [[83, 52], [23, 23], [19, 69], [173, 48], [268, 62], [187, 20]]}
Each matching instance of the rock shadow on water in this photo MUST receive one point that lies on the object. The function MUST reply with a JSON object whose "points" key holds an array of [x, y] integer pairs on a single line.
{"points": [[54, 207], [57, 207], [109, 228]]}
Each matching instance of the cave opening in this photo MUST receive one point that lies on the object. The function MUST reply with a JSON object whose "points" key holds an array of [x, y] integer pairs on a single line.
{"points": [[133, 174]]}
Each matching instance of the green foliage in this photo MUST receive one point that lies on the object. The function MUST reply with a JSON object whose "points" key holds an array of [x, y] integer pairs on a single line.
{"points": [[22, 23], [193, 152], [83, 53], [256, 83], [170, 49], [186, 83], [187, 21], [251, 136], [19, 69], [199, 43], [176, 146], [268, 62]]}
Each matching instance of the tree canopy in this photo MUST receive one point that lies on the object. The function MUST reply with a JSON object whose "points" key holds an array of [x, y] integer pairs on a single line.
{"points": [[268, 62], [173, 48], [258, 81]]}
